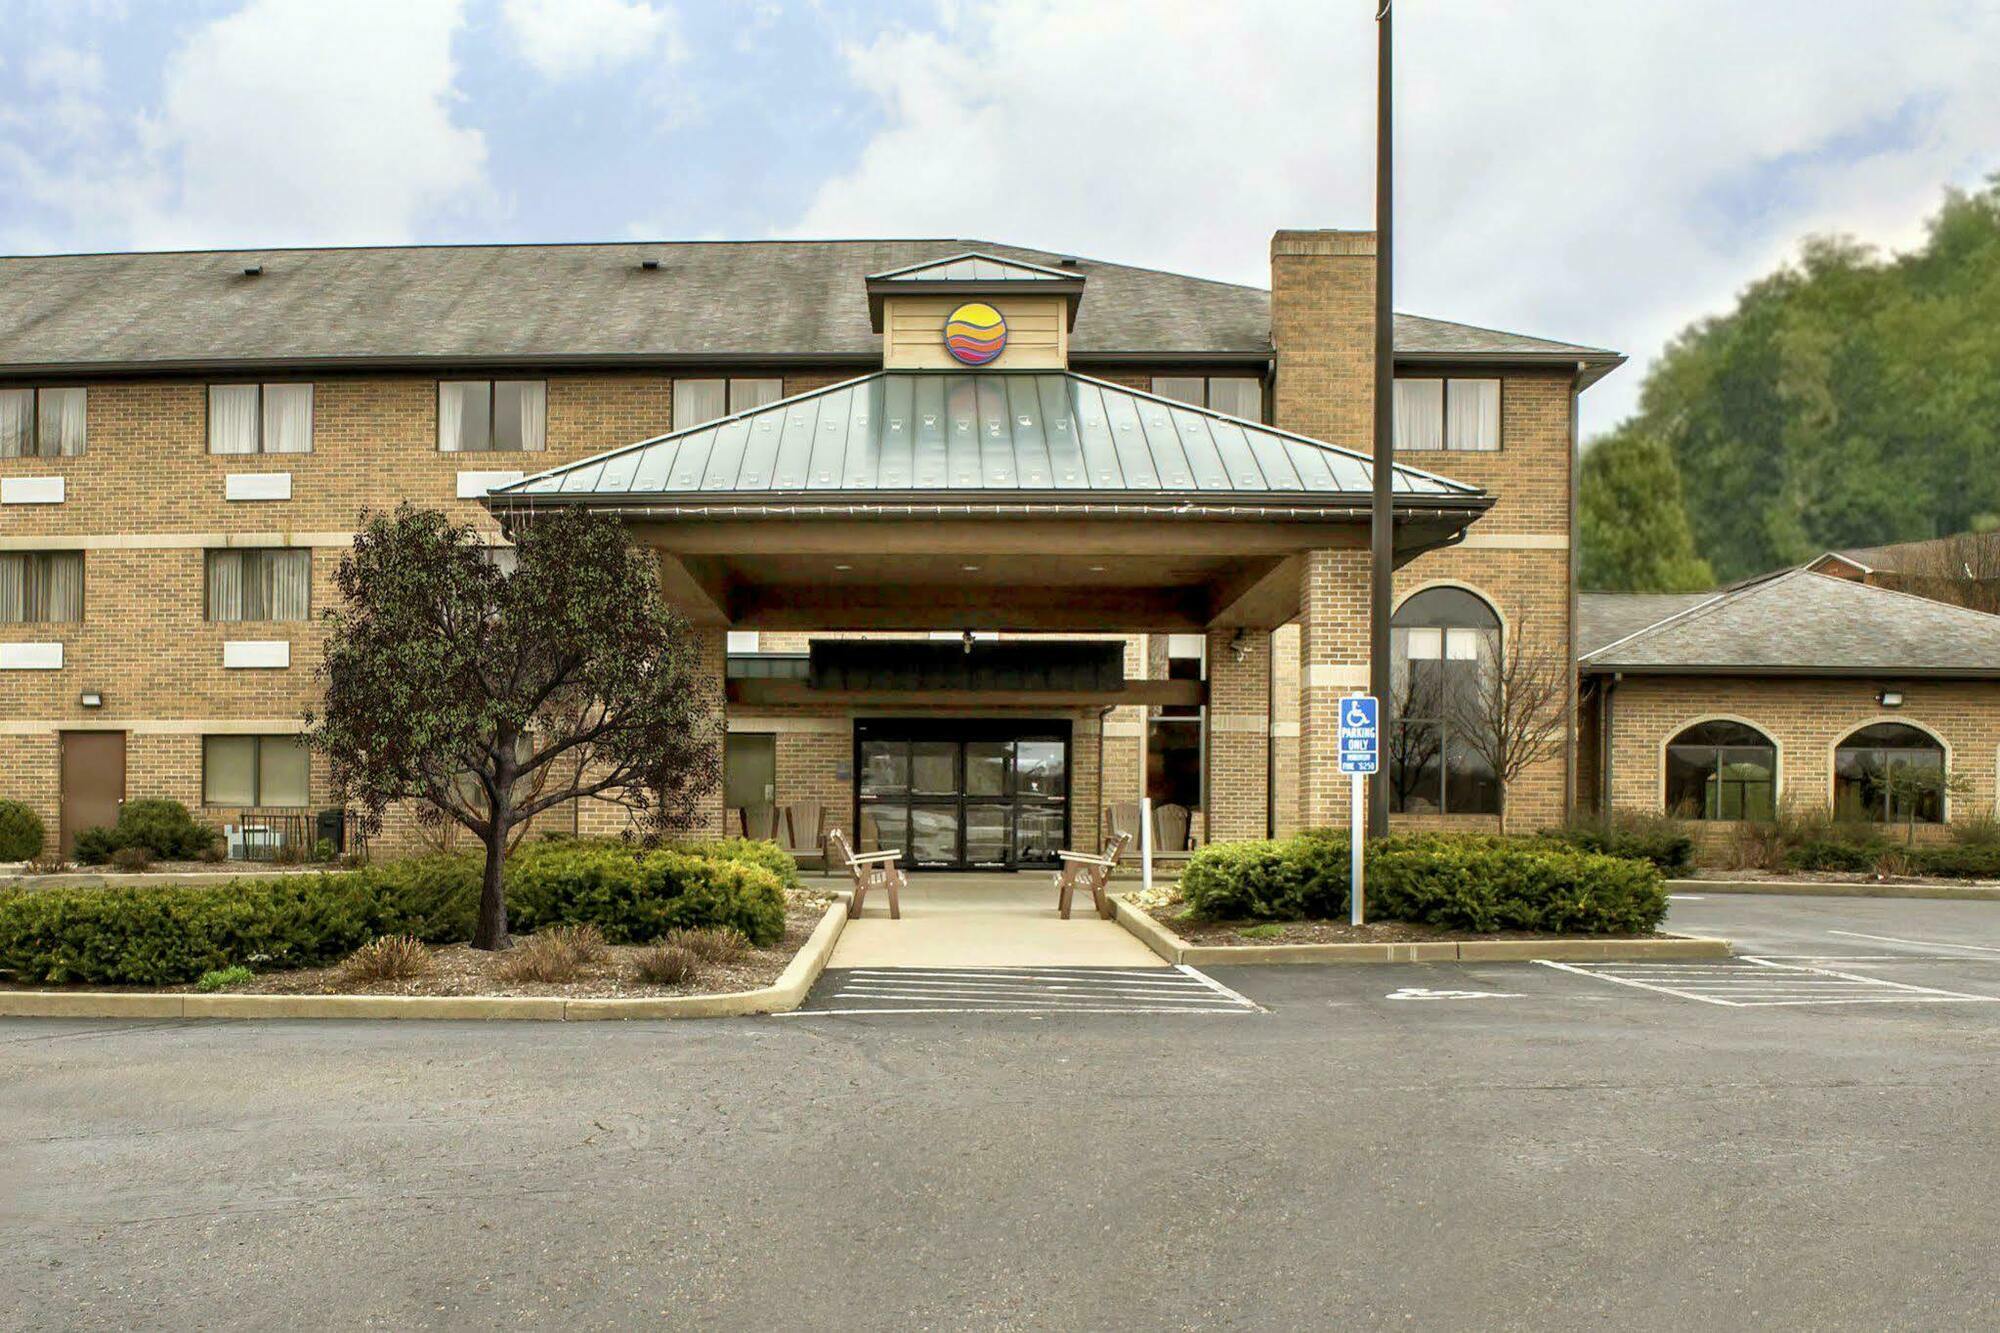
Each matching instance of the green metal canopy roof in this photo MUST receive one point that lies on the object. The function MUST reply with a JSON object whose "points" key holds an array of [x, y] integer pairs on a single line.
{"points": [[1053, 435]]}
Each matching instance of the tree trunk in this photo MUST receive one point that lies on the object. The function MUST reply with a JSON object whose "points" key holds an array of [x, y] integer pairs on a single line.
{"points": [[1503, 809], [492, 931]]}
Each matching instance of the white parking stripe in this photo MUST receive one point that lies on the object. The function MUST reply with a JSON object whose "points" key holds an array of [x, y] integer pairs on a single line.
{"points": [[1923, 944], [1182, 990], [1759, 982]]}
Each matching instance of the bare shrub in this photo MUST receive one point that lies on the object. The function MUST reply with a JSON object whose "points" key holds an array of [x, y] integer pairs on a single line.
{"points": [[555, 955], [666, 964], [711, 944], [389, 958]]}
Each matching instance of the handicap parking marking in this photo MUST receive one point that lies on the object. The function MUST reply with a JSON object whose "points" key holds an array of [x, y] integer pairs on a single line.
{"points": [[1753, 982], [1027, 990]]}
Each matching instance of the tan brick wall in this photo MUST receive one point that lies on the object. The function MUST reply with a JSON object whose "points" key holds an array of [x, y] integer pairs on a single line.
{"points": [[1333, 661], [1323, 327], [1806, 719], [1238, 743]]}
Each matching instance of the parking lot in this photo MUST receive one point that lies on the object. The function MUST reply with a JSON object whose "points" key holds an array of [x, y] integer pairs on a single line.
{"points": [[1509, 1145]]}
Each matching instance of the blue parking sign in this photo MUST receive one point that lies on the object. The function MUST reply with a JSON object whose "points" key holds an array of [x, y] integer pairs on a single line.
{"points": [[1359, 734]]}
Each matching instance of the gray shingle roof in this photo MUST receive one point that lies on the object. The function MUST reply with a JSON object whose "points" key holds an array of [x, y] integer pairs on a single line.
{"points": [[577, 303], [932, 431], [1605, 617], [1803, 623]]}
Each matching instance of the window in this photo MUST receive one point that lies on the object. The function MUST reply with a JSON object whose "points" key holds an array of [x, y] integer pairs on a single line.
{"points": [[492, 416], [1722, 770], [697, 402], [260, 418], [742, 641], [41, 587], [1891, 773], [43, 423], [259, 584], [1173, 737], [254, 771], [1240, 396], [1457, 414], [1443, 643]]}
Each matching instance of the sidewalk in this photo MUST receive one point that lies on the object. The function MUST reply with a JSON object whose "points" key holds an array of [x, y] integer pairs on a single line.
{"points": [[980, 920]]}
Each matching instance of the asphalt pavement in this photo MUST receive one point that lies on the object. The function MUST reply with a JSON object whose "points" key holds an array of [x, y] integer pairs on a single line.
{"points": [[1495, 1146]]}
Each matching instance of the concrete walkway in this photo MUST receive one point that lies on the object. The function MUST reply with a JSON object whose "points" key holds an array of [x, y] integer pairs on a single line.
{"points": [[986, 921]]}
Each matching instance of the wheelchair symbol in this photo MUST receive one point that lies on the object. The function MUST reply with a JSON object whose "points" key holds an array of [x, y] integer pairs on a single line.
{"points": [[1357, 716]]}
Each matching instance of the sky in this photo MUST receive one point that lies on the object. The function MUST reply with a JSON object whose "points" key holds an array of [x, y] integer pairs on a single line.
{"points": [[1598, 171]]}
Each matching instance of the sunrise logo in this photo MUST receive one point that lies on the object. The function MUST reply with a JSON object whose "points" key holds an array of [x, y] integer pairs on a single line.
{"points": [[974, 333]]}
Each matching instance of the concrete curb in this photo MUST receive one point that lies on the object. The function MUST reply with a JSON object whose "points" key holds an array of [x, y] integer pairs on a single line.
{"points": [[786, 993], [1837, 889], [1174, 949]]}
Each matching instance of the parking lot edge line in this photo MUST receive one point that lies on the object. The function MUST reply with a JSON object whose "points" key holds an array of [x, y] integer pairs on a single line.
{"points": [[1927, 944], [1638, 985], [1217, 986], [1855, 976]]}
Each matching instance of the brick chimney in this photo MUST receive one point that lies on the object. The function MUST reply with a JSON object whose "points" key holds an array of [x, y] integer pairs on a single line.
{"points": [[1323, 328]]}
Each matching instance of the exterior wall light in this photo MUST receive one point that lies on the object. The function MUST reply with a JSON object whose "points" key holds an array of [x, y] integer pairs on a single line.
{"points": [[1239, 646], [91, 699], [1890, 698]]}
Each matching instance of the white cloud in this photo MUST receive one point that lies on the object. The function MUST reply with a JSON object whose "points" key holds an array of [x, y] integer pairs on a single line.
{"points": [[565, 38], [1598, 173], [287, 121]]}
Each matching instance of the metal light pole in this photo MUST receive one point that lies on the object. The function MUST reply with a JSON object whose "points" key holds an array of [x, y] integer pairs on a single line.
{"points": [[1382, 524]]}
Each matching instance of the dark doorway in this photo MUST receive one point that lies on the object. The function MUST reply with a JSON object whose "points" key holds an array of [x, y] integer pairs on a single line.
{"points": [[93, 781], [963, 794]]}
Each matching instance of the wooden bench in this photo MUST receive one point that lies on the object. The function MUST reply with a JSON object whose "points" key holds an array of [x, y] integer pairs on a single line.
{"points": [[1090, 873], [869, 870]]}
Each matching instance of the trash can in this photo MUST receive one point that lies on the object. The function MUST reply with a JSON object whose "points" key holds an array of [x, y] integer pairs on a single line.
{"points": [[331, 826]]}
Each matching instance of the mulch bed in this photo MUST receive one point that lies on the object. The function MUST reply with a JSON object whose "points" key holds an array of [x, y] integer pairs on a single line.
{"points": [[1339, 932], [460, 970]]}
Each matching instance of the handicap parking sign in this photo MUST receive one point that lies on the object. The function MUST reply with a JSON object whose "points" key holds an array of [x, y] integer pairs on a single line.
{"points": [[1359, 735]]}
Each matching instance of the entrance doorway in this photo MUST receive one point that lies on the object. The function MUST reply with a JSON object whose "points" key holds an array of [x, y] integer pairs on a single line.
{"points": [[963, 794], [93, 781]]}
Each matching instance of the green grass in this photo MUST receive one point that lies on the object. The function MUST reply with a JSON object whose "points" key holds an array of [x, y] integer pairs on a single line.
{"points": [[223, 978]]}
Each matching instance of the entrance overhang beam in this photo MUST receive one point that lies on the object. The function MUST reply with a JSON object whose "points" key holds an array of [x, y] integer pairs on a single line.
{"points": [[971, 606]]}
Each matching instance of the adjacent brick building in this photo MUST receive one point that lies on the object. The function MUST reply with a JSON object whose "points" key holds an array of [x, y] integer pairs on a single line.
{"points": [[187, 442]]}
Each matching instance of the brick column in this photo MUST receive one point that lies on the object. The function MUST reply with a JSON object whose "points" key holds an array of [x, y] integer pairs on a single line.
{"points": [[713, 669], [1236, 787], [1333, 661]]}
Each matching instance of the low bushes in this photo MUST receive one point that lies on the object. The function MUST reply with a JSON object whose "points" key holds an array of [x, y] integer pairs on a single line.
{"points": [[169, 934], [1463, 883], [21, 834], [165, 828], [1661, 839]]}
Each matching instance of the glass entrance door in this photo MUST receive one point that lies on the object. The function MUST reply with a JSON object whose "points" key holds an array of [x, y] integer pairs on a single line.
{"points": [[963, 795]]}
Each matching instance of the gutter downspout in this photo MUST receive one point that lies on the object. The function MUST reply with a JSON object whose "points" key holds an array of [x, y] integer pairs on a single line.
{"points": [[1604, 747]]}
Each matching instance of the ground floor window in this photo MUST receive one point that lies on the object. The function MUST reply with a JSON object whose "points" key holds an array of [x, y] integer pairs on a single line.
{"points": [[1722, 770], [254, 771], [1443, 645], [1889, 772]]}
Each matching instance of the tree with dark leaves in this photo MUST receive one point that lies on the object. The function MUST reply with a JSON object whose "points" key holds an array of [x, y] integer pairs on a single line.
{"points": [[486, 697]]}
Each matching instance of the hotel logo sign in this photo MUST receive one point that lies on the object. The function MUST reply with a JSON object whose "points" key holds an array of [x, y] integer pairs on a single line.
{"points": [[975, 333]]}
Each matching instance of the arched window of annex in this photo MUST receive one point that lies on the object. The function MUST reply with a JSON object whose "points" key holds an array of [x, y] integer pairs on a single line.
{"points": [[1890, 773], [1444, 642], [1722, 769]]}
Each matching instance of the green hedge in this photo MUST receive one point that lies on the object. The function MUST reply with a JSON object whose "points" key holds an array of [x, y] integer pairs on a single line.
{"points": [[168, 934], [165, 827], [1956, 860], [753, 851], [1656, 838], [1463, 883], [21, 835]]}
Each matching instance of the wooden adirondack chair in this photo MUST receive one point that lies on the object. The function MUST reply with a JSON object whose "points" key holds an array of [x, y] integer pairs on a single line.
{"points": [[760, 821], [869, 870], [800, 831], [1090, 873]]}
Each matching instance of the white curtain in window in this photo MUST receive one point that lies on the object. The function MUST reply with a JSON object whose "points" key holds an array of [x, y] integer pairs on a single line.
{"points": [[1189, 389], [281, 771], [232, 418], [229, 770], [13, 588], [17, 423], [534, 414], [1426, 645], [745, 394], [1237, 396], [62, 598], [1475, 415], [451, 414], [288, 584], [288, 418], [696, 401], [1462, 645], [61, 417], [225, 585], [1419, 414]]}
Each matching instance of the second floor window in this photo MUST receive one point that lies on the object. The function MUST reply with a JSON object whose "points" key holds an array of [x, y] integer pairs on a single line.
{"points": [[492, 416], [43, 423], [1441, 413], [259, 584], [40, 587], [700, 401], [260, 418], [1239, 396]]}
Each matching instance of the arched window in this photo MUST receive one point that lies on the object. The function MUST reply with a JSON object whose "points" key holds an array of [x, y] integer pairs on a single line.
{"points": [[1443, 645], [1889, 772], [1722, 770]]}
